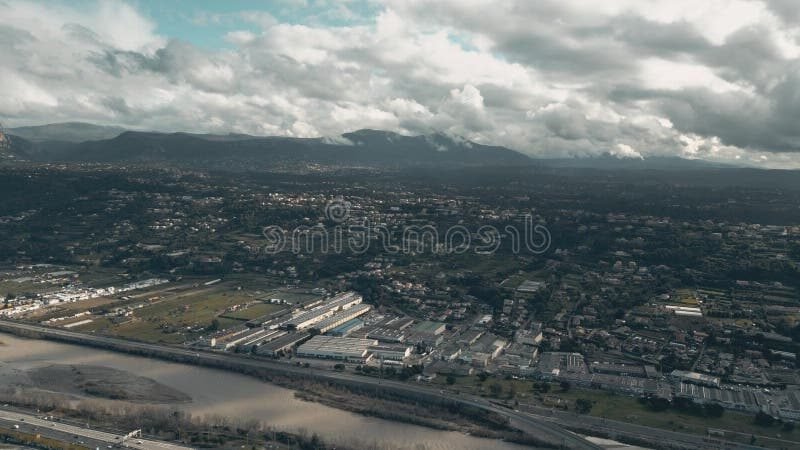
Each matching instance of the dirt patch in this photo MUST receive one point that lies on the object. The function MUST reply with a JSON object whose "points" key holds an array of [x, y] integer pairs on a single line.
{"points": [[103, 382]]}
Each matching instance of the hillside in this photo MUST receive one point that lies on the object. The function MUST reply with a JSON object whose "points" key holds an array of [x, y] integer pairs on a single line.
{"points": [[364, 147], [66, 132]]}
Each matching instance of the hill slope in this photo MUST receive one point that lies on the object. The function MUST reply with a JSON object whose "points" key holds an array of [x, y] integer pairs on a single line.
{"points": [[66, 132], [364, 147]]}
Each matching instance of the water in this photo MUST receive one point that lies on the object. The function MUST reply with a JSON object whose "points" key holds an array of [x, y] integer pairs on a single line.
{"points": [[216, 392]]}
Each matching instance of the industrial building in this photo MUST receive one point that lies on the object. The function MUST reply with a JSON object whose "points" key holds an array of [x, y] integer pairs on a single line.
{"points": [[338, 348], [328, 308], [391, 352], [386, 334], [400, 323], [555, 364], [696, 378], [625, 370], [346, 328], [685, 310], [531, 287], [340, 318], [532, 336], [256, 340], [246, 336], [428, 327], [283, 344]]}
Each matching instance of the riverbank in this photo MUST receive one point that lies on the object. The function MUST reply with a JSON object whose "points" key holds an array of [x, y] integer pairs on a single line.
{"points": [[218, 394], [483, 425], [102, 382]]}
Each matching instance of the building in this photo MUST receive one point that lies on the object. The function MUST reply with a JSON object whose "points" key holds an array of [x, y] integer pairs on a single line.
{"points": [[328, 308], [555, 364], [624, 370], [341, 318], [530, 287], [391, 352], [283, 344], [338, 348], [346, 328], [695, 378], [689, 311], [428, 327], [470, 337], [386, 334], [235, 336], [400, 323], [533, 336], [489, 344]]}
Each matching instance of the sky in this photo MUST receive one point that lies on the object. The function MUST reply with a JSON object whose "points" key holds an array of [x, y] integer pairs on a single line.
{"points": [[711, 79]]}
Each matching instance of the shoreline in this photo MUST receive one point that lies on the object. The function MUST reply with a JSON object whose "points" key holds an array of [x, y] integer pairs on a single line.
{"points": [[286, 420], [546, 433]]}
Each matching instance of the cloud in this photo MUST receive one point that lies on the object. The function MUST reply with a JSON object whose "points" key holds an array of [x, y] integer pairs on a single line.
{"points": [[625, 151], [633, 78]]}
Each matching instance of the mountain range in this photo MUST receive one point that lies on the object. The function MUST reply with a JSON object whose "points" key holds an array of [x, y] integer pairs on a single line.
{"points": [[82, 142]]}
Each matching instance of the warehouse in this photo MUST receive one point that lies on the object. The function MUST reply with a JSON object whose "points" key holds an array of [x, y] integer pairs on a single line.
{"points": [[256, 340], [328, 308], [338, 348], [238, 336], [391, 352], [341, 318], [625, 370], [283, 344], [346, 328], [385, 334], [428, 327], [696, 378]]}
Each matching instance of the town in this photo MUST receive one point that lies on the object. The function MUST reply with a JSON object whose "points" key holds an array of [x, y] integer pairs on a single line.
{"points": [[661, 309]]}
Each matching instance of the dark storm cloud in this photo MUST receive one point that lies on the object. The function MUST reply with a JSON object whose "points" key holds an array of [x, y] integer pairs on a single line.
{"points": [[717, 79]]}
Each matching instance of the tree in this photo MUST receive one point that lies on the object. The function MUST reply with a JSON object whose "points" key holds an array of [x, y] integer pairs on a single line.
{"points": [[714, 410], [763, 419], [451, 380], [583, 406], [565, 385]]}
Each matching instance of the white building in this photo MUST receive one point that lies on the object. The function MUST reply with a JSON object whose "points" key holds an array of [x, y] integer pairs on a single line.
{"points": [[391, 352], [338, 348], [309, 318]]}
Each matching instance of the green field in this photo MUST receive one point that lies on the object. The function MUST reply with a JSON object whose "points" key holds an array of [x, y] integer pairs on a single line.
{"points": [[15, 288], [253, 311], [168, 319]]}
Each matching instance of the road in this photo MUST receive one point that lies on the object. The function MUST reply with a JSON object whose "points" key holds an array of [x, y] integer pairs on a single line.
{"points": [[616, 428], [545, 430], [70, 433]]}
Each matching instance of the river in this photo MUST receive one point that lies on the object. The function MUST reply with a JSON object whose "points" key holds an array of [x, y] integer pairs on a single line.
{"points": [[217, 392]]}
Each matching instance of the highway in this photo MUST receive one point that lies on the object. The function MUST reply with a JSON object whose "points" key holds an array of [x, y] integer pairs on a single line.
{"points": [[83, 436], [616, 428], [541, 429]]}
